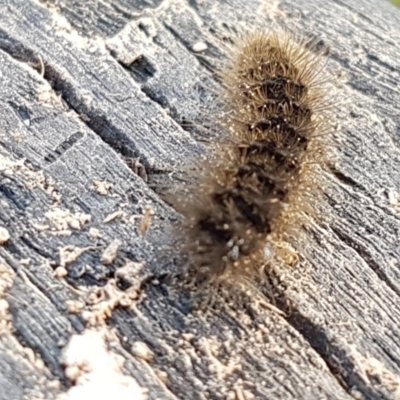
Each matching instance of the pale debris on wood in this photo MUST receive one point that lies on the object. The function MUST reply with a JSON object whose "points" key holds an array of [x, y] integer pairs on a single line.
{"points": [[33, 358], [372, 370], [137, 167], [6, 281], [161, 375], [103, 188], [60, 272], [146, 220], [5, 317], [111, 252], [62, 220], [394, 198], [142, 351], [31, 178], [4, 235], [97, 372], [210, 348], [102, 301], [130, 274], [110, 297], [94, 233], [240, 394], [114, 215], [7, 166], [18, 137], [199, 47], [74, 306], [46, 183], [47, 96], [69, 254], [270, 8], [41, 227]]}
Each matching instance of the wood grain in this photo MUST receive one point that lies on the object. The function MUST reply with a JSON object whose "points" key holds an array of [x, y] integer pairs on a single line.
{"points": [[87, 87]]}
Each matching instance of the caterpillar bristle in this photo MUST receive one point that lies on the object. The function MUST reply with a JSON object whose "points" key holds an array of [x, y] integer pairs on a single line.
{"points": [[254, 188]]}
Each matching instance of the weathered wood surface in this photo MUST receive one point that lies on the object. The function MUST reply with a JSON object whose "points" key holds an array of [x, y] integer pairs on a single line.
{"points": [[85, 85]]}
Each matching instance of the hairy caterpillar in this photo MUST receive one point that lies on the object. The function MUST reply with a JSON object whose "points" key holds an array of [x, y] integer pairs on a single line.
{"points": [[251, 193]]}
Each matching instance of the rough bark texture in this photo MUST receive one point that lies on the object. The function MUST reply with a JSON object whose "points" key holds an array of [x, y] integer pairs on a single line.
{"points": [[87, 87]]}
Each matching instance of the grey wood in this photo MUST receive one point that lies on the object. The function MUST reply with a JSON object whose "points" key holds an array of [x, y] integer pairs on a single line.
{"points": [[87, 84]]}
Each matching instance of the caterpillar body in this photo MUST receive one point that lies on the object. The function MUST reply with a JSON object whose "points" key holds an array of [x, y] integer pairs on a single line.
{"points": [[254, 188]]}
